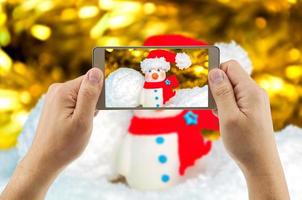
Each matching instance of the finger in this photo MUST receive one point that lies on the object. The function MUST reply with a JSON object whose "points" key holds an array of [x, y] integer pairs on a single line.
{"points": [[235, 73], [223, 93], [74, 84], [88, 95]]}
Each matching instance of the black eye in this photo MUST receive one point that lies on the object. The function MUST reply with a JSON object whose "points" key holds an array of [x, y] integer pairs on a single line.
{"points": [[158, 70], [150, 71]]}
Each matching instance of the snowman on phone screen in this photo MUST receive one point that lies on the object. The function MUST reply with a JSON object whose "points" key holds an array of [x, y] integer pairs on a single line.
{"points": [[158, 89]]}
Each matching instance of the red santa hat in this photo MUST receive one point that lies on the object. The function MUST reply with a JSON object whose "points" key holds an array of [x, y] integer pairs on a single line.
{"points": [[163, 58]]}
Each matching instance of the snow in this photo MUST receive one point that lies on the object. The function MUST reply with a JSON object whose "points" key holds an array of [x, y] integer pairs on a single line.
{"points": [[190, 97], [233, 51], [122, 88]]}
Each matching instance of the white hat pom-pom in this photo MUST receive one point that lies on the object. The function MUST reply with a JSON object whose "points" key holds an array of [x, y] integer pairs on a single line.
{"points": [[234, 51], [122, 88], [183, 60]]}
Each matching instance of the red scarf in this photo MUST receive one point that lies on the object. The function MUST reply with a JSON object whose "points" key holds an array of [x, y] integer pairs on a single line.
{"points": [[191, 145], [167, 85]]}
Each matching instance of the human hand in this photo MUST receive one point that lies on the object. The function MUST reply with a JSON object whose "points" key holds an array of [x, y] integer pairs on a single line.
{"points": [[63, 132], [246, 127], [66, 121]]}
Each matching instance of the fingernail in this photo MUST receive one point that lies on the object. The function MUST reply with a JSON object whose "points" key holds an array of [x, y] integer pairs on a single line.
{"points": [[94, 76], [216, 76]]}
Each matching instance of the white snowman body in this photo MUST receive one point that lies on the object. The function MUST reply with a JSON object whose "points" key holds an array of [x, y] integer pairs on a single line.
{"points": [[150, 162], [152, 97]]}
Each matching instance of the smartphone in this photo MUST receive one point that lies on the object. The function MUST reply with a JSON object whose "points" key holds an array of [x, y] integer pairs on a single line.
{"points": [[165, 77]]}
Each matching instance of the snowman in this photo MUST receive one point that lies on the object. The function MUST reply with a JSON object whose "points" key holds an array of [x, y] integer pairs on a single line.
{"points": [[156, 153], [158, 89]]}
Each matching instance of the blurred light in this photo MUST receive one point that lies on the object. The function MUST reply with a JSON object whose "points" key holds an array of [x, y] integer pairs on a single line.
{"points": [[56, 73], [8, 100], [294, 54], [136, 53], [272, 84], [135, 43], [3, 18], [20, 68], [292, 1], [4, 37], [44, 5], [41, 32], [154, 28], [20, 117], [294, 72], [68, 14], [8, 138], [106, 4], [149, 8], [109, 41], [198, 70], [25, 97], [260, 22], [88, 12], [120, 21], [35, 90], [99, 28], [224, 1], [5, 62], [127, 7]]}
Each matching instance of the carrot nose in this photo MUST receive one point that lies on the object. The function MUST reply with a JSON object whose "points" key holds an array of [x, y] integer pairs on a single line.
{"points": [[154, 76]]}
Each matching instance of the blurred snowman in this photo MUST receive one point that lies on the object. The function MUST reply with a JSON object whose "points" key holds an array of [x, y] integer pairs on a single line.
{"points": [[161, 145], [158, 89]]}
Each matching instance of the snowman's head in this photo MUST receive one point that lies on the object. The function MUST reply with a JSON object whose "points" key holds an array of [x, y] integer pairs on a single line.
{"points": [[155, 75], [156, 113]]}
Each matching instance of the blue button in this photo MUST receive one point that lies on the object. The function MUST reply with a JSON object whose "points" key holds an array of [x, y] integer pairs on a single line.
{"points": [[165, 178], [162, 159], [157, 105], [156, 98], [155, 90], [160, 140]]}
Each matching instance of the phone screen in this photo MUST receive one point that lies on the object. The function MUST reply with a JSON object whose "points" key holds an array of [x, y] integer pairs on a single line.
{"points": [[156, 77]]}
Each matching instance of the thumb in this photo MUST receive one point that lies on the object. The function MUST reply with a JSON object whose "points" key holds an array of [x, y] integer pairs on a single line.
{"points": [[89, 92], [223, 93]]}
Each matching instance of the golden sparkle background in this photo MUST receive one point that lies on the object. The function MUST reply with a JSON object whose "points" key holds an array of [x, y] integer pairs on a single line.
{"points": [[46, 41]]}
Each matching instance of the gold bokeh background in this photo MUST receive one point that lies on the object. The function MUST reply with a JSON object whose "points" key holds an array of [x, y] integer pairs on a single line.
{"points": [[46, 41]]}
